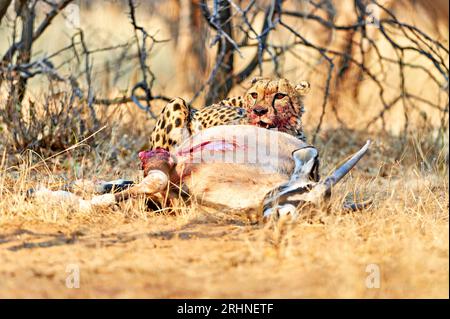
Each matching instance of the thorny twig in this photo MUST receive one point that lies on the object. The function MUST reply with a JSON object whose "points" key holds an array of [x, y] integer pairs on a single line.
{"points": [[234, 28], [18, 65], [145, 84], [354, 56]]}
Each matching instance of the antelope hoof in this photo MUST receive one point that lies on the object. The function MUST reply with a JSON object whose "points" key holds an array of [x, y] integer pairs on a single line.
{"points": [[155, 181]]}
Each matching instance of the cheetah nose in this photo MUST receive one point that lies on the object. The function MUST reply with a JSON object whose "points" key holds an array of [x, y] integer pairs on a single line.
{"points": [[260, 111]]}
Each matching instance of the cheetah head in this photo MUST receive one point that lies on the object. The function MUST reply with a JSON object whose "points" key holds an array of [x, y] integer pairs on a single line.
{"points": [[275, 103]]}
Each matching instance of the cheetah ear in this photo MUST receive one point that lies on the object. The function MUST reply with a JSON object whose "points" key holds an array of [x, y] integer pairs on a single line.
{"points": [[303, 88], [256, 79]]}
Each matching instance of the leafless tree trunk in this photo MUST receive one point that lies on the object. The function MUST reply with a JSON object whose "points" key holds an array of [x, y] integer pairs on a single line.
{"points": [[191, 38], [27, 15], [221, 20], [4, 4]]}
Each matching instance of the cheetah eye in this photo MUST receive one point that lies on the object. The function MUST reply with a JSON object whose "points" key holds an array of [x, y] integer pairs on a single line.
{"points": [[279, 96], [254, 95]]}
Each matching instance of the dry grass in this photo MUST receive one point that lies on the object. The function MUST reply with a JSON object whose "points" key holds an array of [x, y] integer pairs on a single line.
{"points": [[131, 252]]}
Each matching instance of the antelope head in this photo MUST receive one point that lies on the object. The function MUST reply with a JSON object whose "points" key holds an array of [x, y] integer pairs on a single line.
{"points": [[300, 191]]}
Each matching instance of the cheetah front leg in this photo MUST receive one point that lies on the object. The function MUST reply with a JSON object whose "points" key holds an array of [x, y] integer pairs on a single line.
{"points": [[172, 126]]}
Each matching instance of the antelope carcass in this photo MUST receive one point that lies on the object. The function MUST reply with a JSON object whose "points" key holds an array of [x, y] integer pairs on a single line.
{"points": [[237, 168]]}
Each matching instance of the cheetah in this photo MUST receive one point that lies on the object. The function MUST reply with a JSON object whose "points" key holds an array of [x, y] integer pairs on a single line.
{"points": [[270, 104]]}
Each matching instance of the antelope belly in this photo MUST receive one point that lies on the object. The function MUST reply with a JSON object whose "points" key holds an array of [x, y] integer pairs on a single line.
{"points": [[231, 186]]}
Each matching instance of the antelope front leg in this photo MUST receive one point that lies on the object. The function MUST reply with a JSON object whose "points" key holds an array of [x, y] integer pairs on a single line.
{"points": [[156, 181]]}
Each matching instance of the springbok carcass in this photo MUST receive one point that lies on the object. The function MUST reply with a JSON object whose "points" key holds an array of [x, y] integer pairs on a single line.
{"points": [[236, 168]]}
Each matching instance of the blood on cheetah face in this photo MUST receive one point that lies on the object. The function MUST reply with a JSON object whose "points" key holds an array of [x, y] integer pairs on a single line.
{"points": [[275, 103]]}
